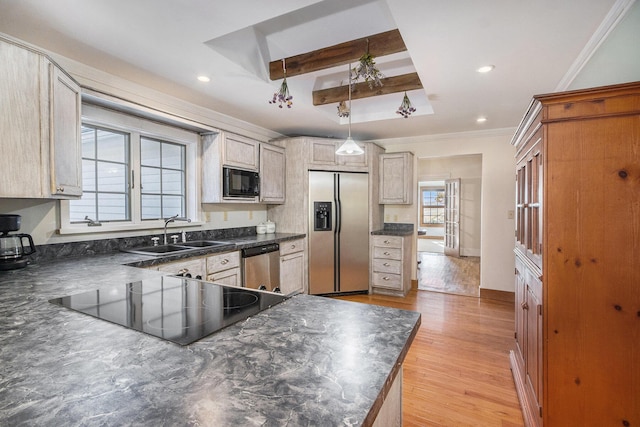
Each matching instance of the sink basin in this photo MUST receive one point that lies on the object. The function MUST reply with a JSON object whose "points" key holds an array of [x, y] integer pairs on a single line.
{"points": [[176, 248], [203, 243], [159, 250]]}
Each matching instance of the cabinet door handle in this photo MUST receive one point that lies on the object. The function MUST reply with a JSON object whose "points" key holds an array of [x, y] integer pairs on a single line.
{"points": [[60, 189], [387, 253], [224, 261], [385, 278], [524, 306], [387, 242], [386, 264]]}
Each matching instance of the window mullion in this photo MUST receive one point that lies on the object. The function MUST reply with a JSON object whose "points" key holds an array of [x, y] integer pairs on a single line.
{"points": [[137, 187]]}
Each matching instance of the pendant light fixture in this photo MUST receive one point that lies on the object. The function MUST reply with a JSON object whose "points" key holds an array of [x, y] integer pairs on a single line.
{"points": [[349, 147]]}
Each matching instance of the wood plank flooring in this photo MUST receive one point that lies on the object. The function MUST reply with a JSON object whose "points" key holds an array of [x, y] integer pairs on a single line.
{"points": [[457, 370]]}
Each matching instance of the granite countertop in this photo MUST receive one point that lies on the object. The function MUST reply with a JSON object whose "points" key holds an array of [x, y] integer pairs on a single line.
{"points": [[394, 229], [306, 361]]}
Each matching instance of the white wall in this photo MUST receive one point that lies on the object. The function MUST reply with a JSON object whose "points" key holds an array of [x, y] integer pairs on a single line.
{"points": [[498, 189]]}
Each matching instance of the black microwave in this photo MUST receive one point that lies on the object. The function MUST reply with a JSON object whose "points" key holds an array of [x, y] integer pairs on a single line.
{"points": [[240, 183]]}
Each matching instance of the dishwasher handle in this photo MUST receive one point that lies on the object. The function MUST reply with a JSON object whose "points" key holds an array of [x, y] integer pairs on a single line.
{"points": [[259, 250]]}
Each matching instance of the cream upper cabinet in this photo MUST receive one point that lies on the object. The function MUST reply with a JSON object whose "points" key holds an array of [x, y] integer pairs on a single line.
{"points": [[272, 174], [240, 151], [40, 126], [396, 178], [322, 152], [65, 143]]}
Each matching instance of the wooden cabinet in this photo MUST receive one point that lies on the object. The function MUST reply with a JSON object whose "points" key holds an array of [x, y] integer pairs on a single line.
{"points": [[396, 178], [322, 152], [192, 267], [224, 268], [40, 126], [577, 238], [390, 265], [272, 174], [240, 151], [292, 266]]}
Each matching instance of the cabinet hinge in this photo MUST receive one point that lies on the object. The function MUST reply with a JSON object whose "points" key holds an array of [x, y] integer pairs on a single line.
{"points": [[540, 309], [515, 335], [540, 410], [540, 248]]}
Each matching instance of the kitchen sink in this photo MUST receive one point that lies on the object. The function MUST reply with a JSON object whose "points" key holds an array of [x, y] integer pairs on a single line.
{"points": [[203, 243], [176, 248], [159, 250]]}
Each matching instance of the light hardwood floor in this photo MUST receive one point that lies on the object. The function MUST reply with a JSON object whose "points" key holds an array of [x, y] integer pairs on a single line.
{"points": [[457, 370]]}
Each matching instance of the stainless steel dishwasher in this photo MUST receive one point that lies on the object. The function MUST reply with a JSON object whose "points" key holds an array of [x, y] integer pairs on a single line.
{"points": [[261, 267]]}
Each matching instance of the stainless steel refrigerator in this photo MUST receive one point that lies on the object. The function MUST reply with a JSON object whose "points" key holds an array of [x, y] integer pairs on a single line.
{"points": [[338, 232]]}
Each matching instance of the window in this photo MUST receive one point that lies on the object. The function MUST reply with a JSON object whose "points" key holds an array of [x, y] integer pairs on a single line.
{"points": [[162, 179], [105, 168], [431, 207], [135, 173]]}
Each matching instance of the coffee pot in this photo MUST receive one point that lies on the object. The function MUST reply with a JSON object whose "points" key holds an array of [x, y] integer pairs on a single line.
{"points": [[13, 247]]}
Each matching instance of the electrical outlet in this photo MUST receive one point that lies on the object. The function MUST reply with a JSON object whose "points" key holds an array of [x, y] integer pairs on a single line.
{"points": [[250, 214], [510, 214], [225, 217], [386, 218], [395, 218]]}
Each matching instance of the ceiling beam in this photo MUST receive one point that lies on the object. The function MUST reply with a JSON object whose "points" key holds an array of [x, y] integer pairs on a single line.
{"points": [[393, 84], [344, 53]]}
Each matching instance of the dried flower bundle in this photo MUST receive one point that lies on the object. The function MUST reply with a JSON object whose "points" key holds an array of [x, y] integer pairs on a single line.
{"points": [[282, 97], [367, 70], [405, 108]]}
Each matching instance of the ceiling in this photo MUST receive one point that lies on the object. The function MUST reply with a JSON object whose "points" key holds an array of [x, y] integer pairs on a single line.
{"points": [[166, 44]]}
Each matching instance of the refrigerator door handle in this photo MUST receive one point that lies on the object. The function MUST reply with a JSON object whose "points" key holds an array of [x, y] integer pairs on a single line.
{"points": [[336, 231]]}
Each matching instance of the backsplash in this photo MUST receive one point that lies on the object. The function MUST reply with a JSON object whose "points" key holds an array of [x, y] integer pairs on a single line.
{"points": [[105, 246]]}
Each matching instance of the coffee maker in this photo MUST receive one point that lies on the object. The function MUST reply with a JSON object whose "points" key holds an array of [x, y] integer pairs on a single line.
{"points": [[13, 247]]}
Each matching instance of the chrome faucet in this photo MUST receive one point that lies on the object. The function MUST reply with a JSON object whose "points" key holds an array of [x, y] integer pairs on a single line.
{"points": [[173, 219]]}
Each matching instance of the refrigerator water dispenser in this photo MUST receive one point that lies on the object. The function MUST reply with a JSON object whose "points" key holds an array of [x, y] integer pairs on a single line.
{"points": [[322, 215]]}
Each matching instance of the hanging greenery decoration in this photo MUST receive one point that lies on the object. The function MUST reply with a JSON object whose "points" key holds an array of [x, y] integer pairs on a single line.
{"points": [[282, 97], [406, 108], [367, 70]]}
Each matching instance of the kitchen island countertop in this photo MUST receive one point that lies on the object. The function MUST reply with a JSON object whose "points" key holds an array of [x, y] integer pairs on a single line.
{"points": [[306, 361]]}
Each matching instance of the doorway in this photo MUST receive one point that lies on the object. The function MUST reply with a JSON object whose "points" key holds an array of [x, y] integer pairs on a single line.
{"points": [[448, 246]]}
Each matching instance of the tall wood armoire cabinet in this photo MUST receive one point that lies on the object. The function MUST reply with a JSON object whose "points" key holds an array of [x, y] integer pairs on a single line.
{"points": [[576, 360]]}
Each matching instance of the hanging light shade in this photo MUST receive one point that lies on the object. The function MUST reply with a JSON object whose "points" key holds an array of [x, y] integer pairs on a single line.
{"points": [[349, 147]]}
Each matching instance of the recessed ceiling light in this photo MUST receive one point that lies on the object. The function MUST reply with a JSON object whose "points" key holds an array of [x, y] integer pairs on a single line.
{"points": [[486, 68], [481, 119], [204, 79]]}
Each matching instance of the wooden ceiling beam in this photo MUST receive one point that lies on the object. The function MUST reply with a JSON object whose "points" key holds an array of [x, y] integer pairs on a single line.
{"points": [[379, 45], [393, 84]]}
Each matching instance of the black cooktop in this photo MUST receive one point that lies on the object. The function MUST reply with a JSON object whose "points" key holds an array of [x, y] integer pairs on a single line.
{"points": [[173, 308]]}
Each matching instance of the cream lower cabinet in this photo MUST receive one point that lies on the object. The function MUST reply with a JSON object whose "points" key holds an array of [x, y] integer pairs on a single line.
{"points": [[390, 267], [193, 268], [40, 126], [292, 267], [224, 268]]}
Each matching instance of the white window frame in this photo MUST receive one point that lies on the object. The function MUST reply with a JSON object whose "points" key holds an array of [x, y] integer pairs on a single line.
{"points": [[137, 127]]}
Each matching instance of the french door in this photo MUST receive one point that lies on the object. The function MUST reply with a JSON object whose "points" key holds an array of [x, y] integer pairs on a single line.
{"points": [[452, 217]]}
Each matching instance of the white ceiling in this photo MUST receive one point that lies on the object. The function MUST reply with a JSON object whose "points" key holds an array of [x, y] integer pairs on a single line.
{"points": [[165, 44]]}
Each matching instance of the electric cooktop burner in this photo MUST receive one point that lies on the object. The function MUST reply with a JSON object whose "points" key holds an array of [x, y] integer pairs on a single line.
{"points": [[173, 308]]}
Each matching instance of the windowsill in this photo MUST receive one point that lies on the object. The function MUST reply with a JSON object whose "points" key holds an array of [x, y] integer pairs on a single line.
{"points": [[112, 228]]}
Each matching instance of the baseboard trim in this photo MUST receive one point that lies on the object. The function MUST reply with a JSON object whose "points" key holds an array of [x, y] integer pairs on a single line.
{"points": [[498, 295]]}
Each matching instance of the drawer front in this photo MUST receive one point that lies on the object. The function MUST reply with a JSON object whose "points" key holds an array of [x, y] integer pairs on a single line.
{"points": [[388, 241], [387, 253], [387, 266], [229, 277], [223, 261], [387, 280], [291, 246]]}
